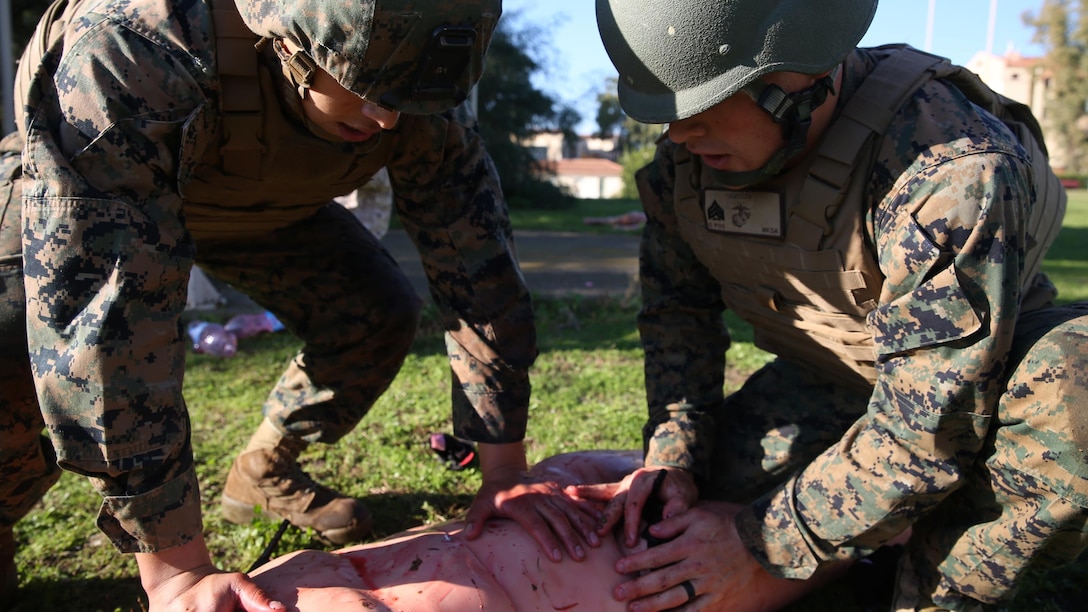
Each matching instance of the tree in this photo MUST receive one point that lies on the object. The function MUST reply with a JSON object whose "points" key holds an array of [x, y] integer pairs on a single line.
{"points": [[511, 108], [637, 141], [24, 18], [566, 121], [632, 160], [609, 114], [611, 118], [1063, 30]]}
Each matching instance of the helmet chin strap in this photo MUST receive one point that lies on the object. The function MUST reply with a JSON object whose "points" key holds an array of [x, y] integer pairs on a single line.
{"points": [[792, 111], [298, 67]]}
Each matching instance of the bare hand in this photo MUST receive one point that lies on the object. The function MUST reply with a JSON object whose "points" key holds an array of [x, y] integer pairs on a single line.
{"points": [[183, 578], [627, 498], [208, 589], [552, 518], [704, 550]]}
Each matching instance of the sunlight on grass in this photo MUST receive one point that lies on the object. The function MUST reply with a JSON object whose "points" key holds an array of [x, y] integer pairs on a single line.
{"points": [[1067, 260], [588, 392]]}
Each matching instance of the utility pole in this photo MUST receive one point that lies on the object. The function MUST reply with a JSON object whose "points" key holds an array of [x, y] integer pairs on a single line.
{"points": [[7, 70], [929, 25], [990, 27]]}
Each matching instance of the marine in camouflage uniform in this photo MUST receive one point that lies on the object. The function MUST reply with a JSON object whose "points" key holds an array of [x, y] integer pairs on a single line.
{"points": [[922, 377], [135, 115]]}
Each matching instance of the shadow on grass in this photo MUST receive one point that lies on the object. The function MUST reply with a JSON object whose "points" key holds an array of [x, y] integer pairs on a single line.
{"points": [[89, 595], [393, 513]]}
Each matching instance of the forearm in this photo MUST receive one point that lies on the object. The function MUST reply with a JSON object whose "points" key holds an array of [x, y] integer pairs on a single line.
{"points": [[161, 567], [449, 199], [683, 336], [499, 461]]}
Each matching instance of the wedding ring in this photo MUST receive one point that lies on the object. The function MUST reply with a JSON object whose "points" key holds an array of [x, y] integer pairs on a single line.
{"points": [[689, 589]]}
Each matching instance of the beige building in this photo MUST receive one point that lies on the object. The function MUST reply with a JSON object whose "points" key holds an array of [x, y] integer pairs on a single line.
{"points": [[588, 177], [587, 170], [1023, 79]]}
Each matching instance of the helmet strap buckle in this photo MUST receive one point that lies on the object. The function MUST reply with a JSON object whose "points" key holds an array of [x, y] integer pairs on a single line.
{"points": [[298, 66], [303, 68]]}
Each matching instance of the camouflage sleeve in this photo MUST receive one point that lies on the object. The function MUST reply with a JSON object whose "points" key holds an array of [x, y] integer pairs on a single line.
{"points": [[683, 337], [447, 194], [950, 240], [106, 266]]}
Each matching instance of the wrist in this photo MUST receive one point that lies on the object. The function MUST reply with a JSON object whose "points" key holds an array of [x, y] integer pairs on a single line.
{"points": [[160, 567], [500, 461]]}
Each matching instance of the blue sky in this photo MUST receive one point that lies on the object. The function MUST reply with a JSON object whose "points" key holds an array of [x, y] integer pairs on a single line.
{"points": [[578, 65]]}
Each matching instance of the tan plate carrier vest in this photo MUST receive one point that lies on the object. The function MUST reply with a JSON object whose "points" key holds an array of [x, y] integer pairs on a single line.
{"points": [[265, 172], [808, 295]]}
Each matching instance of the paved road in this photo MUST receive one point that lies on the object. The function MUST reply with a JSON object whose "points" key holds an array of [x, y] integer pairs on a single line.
{"points": [[552, 262]]}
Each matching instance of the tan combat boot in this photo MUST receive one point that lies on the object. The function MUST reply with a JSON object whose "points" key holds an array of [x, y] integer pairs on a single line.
{"points": [[9, 579], [267, 475]]}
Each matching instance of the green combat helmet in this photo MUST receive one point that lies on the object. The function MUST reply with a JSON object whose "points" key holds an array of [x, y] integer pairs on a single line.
{"points": [[409, 56], [679, 58]]}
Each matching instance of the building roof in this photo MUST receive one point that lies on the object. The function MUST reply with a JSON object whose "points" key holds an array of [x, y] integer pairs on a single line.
{"points": [[585, 166]]}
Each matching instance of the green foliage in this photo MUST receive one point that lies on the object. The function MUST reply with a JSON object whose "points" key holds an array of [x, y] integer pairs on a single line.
{"points": [[1061, 26], [632, 160], [536, 192], [609, 114], [511, 107], [611, 118]]}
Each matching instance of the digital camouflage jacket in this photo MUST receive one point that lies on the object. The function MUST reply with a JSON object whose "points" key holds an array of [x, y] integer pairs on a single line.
{"points": [[943, 219], [122, 139]]}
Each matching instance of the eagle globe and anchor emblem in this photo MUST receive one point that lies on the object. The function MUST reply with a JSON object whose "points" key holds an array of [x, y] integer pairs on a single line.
{"points": [[748, 213], [740, 216]]}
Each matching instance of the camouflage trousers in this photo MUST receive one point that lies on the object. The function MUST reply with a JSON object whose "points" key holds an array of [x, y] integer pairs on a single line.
{"points": [[1024, 505], [27, 463], [327, 279], [334, 286]]}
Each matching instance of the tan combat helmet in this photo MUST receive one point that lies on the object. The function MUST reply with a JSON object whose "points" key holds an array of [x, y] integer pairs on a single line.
{"points": [[410, 56]]}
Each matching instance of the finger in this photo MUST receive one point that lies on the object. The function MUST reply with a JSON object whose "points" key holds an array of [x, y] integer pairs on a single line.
{"points": [[656, 583], [541, 529], [598, 492], [654, 560], [612, 514], [561, 525], [675, 599], [670, 528], [680, 487], [476, 517], [253, 599], [641, 489], [583, 518], [675, 506]]}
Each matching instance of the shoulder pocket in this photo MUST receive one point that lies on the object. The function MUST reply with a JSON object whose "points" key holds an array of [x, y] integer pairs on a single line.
{"points": [[936, 312]]}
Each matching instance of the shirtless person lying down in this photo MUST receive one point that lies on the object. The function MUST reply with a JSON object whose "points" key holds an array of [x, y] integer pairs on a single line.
{"points": [[436, 569]]}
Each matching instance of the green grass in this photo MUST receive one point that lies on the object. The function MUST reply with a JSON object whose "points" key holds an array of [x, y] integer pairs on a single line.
{"points": [[1066, 262], [568, 219], [571, 219], [589, 371]]}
